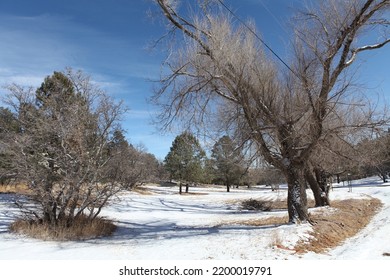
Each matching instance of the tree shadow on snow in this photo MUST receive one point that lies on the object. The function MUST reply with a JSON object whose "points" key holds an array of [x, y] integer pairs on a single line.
{"points": [[127, 231], [8, 211]]}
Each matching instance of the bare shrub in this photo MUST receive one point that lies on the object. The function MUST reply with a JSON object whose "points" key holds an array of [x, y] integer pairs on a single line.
{"points": [[82, 228], [62, 150], [254, 204]]}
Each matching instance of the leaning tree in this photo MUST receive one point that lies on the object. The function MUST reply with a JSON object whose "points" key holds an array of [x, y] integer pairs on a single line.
{"points": [[220, 66]]}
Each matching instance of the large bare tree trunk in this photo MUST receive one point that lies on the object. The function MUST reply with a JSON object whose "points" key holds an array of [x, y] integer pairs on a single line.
{"points": [[296, 198]]}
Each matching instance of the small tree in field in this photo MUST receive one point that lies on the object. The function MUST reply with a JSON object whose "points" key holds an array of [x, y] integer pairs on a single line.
{"points": [[61, 149], [184, 160]]}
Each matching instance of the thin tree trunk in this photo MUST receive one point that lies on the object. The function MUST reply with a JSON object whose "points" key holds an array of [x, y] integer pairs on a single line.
{"points": [[321, 180], [314, 186], [318, 187], [382, 175]]}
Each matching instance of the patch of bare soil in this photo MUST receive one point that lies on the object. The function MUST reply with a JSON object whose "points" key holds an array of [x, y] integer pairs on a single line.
{"points": [[331, 228]]}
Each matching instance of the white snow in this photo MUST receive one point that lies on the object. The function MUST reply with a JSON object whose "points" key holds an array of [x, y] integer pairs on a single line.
{"points": [[202, 226]]}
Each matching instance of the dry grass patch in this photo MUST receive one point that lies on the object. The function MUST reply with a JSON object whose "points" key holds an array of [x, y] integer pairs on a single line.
{"points": [[265, 205], [142, 190], [81, 229], [331, 226], [194, 193], [267, 221], [330, 229], [15, 189]]}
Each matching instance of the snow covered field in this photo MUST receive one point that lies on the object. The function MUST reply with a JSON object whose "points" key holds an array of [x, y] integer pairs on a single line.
{"points": [[202, 226]]}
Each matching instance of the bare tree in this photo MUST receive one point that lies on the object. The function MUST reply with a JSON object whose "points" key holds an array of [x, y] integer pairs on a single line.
{"points": [[131, 164], [221, 64], [374, 155], [61, 150]]}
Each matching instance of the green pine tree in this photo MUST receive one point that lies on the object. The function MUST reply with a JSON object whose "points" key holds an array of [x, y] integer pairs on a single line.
{"points": [[185, 159], [227, 162]]}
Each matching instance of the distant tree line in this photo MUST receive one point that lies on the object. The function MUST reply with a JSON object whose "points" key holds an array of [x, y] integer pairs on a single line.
{"points": [[227, 164]]}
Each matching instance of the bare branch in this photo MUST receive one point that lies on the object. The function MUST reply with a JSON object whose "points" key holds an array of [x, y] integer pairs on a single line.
{"points": [[365, 48]]}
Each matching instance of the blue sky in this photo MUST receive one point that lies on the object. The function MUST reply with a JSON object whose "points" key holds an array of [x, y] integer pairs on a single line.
{"points": [[109, 39]]}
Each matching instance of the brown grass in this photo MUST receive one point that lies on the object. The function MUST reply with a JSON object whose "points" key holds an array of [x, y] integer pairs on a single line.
{"points": [[16, 189], [331, 229], [81, 229], [194, 193], [142, 190], [266, 205], [274, 220]]}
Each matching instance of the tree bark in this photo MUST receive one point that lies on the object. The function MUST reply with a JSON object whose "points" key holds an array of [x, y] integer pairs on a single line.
{"points": [[296, 198], [314, 187], [382, 175], [322, 183], [318, 187]]}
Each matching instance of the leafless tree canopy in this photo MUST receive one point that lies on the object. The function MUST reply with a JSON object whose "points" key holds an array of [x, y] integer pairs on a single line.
{"points": [[221, 71]]}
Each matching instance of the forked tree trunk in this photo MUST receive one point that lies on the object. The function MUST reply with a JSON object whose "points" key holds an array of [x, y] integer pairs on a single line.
{"points": [[320, 192], [296, 198]]}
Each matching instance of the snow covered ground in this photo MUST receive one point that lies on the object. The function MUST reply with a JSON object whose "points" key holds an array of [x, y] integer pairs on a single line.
{"points": [[202, 226]]}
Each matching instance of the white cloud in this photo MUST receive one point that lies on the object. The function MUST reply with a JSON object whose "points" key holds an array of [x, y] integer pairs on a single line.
{"points": [[32, 48]]}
